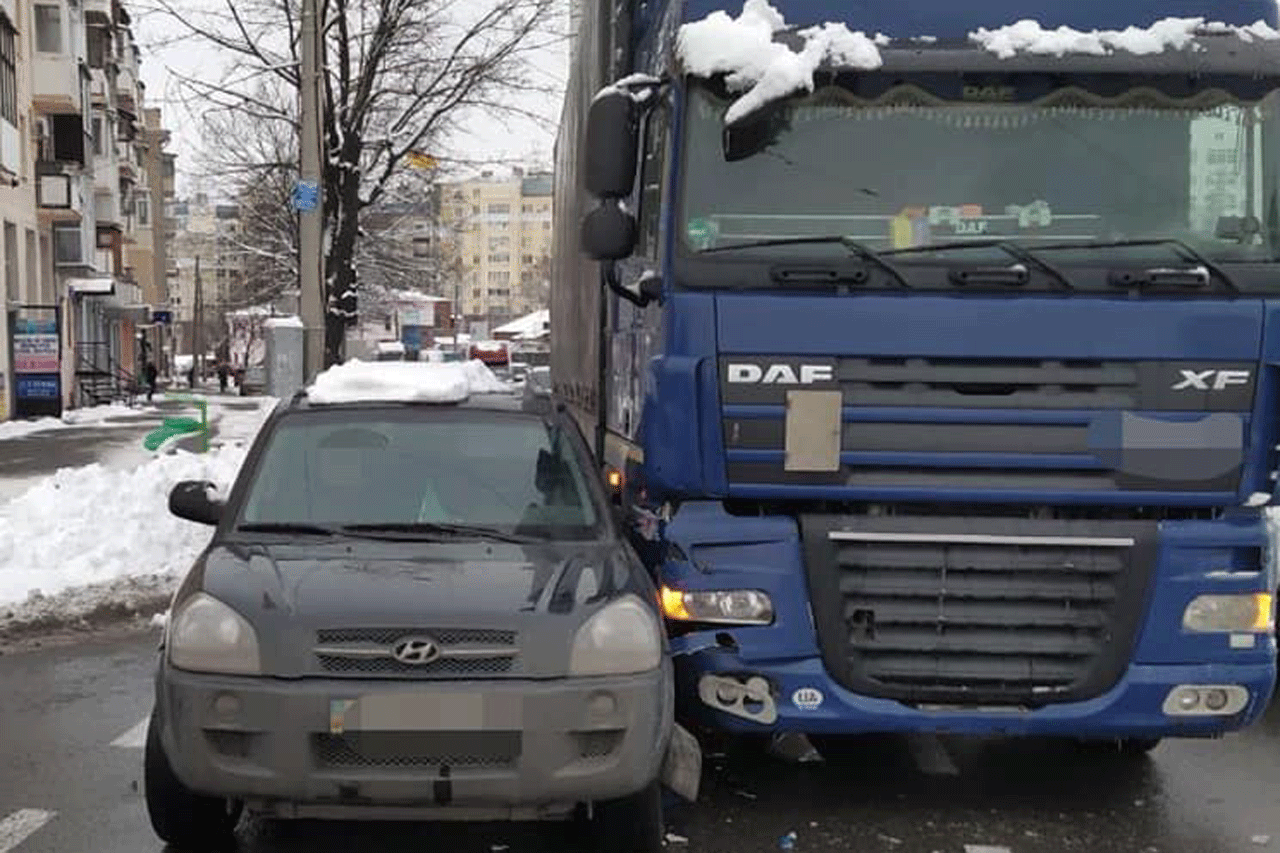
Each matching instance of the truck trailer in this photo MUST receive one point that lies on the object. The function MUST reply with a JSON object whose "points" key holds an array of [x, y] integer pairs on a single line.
{"points": [[935, 350]]}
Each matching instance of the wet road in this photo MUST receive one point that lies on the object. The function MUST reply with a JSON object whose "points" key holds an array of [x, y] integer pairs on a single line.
{"points": [[71, 759]]}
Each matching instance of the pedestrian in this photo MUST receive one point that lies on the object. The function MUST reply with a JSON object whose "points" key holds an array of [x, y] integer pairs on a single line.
{"points": [[191, 376], [223, 373], [150, 376]]}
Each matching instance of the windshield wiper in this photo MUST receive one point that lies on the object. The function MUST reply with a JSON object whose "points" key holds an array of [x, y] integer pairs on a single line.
{"points": [[1187, 252], [301, 527], [1017, 251], [861, 250], [433, 529]]}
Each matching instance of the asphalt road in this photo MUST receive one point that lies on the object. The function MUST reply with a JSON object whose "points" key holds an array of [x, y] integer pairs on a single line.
{"points": [[71, 764]]}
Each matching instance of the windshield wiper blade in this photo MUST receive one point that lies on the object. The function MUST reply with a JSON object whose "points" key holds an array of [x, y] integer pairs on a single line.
{"points": [[301, 527], [1015, 250], [858, 249], [1188, 253], [431, 529]]}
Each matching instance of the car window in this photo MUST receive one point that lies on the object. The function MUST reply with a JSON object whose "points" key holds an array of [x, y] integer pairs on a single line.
{"points": [[517, 474]]}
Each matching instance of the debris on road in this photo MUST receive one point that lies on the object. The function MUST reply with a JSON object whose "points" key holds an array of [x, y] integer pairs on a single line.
{"points": [[1261, 840], [672, 838], [788, 841]]}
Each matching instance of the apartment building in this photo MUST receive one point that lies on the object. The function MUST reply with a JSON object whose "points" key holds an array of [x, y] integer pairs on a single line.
{"points": [[74, 191], [496, 231], [207, 237]]}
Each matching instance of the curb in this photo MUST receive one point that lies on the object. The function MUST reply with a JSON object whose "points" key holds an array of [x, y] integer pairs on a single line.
{"points": [[113, 614]]}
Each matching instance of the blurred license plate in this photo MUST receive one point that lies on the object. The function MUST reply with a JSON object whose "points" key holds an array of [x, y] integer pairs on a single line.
{"points": [[424, 712]]}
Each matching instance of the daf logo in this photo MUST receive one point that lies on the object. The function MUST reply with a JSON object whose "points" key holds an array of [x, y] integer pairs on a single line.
{"points": [[415, 651], [779, 374], [1210, 380]]}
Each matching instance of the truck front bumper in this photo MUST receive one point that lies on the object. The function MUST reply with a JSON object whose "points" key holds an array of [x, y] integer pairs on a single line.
{"points": [[805, 699]]}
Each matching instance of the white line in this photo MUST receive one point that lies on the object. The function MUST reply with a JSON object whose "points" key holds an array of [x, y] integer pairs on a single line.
{"points": [[17, 827], [985, 848], [132, 739], [931, 756]]}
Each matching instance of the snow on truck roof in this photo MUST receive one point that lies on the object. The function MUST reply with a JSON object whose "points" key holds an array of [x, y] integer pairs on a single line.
{"points": [[358, 381], [761, 69]]}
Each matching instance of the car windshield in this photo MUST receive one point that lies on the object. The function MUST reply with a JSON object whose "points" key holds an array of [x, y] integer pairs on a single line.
{"points": [[903, 168], [513, 474]]}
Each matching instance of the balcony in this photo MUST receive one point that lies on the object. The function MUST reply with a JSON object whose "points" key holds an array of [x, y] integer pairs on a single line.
{"points": [[60, 197], [127, 89], [98, 88], [107, 212], [55, 83]]}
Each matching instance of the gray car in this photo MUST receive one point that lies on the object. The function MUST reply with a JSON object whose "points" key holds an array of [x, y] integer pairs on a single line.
{"points": [[421, 611]]}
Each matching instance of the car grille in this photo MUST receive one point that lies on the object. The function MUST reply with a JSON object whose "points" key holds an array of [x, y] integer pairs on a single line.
{"points": [[464, 652], [416, 749], [929, 611]]}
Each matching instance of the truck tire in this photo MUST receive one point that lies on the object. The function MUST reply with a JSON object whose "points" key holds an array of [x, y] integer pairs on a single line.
{"points": [[179, 816], [631, 824]]}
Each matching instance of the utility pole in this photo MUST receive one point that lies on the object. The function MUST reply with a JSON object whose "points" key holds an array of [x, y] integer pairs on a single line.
{"points": [[197, 331], [310, 256]]}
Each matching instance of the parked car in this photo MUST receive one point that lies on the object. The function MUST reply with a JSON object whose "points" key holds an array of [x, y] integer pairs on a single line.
{"points": [[411, 609]]}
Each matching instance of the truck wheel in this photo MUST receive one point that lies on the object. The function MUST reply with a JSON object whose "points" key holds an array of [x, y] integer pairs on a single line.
{"points": [[631, 824], [181, 817]]}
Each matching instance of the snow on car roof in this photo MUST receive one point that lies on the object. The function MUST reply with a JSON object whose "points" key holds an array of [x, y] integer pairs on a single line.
{"points": [[403, 382]]}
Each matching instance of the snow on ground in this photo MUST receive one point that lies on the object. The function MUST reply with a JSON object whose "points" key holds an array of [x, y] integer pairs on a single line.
{"points": [[1028, 36], [744, 49], [101, 536], [97, 416]]}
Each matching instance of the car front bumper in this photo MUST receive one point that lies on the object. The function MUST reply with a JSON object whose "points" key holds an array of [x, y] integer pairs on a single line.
{"points": [[325, 747]]}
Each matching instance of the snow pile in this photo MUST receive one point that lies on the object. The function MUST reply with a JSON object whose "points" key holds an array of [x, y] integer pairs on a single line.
{"points": [[403, 382], [92, 416], [1029, 36], [743, 49], [74, 529]]}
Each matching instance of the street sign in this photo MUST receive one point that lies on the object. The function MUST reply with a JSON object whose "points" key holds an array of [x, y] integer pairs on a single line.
{"points": [[162, 317], [306, 196]]}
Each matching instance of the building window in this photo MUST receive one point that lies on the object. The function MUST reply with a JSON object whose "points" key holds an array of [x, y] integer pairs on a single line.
{"points": [[11, 261], [97, 135], [97, 46], [144, 213], [500, 258], [8, 73], [500, 208], [67, 247], [501, 277], [33, 268], [48, 28]]}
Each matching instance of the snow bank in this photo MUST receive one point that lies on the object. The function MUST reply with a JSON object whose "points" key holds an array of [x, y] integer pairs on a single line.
{"points": [[403, 381], [94, 525], [1028, 36], [92, 416], [743, 49]]}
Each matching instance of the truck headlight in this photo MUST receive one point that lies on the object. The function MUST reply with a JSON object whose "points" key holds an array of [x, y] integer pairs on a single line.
{"points": [[206, 635], [1250, 612], [725, 606], [622, 638]]}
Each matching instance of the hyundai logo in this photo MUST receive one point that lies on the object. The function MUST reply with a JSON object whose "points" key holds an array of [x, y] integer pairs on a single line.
{"points": [[415, 651]]}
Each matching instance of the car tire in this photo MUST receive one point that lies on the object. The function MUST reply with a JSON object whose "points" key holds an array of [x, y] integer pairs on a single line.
{"points": [[180, 816], [631, 824]]}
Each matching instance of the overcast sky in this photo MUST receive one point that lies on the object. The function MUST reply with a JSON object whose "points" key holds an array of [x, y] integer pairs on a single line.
{"points": [[514, 142]]}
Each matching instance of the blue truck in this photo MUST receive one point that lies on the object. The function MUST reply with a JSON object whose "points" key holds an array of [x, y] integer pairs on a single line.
{"points": [[934, 349]]}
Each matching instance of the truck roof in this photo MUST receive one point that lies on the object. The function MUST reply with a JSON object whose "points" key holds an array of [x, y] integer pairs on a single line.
{"points": [[948, 18]]}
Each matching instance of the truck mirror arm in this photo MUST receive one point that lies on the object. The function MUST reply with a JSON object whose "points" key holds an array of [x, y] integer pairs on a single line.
{"points": [[642, 292]]}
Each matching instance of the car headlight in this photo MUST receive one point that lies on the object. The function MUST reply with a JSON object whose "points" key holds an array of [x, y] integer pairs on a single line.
{"points": [[622, 638], [206, 635], [1250, 612], [724, 606]]}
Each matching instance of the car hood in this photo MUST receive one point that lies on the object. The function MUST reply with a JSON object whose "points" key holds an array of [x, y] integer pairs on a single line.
{"points": [[523, 603]]}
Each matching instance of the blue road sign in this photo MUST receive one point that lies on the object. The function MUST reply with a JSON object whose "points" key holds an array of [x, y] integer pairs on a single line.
{"points": [[306, 196]]}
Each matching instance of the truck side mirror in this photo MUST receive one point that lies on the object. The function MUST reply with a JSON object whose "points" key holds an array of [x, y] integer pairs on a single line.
{"points": [[608, 233], [612, 145]]}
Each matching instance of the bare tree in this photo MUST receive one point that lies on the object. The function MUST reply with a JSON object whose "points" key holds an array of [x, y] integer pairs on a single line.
{"points": [[399, 76]]}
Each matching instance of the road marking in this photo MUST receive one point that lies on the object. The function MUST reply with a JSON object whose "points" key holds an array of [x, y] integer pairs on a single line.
{"points": [[986, 848], [17, 827], [132, 739], [931, 756]]}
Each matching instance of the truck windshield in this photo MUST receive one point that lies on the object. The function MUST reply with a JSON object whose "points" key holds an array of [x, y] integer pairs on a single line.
{"points": [[907, 169]]}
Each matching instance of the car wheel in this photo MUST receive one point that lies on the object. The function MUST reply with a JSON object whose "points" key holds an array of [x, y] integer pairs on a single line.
{"points": [[631, 824], [183, 818]]}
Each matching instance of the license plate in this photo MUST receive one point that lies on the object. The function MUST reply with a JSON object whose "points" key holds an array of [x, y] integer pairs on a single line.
{"points": [[424, 712]]}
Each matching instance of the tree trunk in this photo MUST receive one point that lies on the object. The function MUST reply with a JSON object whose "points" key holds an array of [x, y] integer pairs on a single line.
{"points": [[340, 272]]}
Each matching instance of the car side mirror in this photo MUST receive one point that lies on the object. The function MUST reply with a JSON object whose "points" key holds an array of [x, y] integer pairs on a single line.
{"points": [[608, 233], [612, 144], [191, 500]]}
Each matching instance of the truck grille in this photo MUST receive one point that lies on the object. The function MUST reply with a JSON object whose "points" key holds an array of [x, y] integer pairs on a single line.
{"points": [[1022, 613]]}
